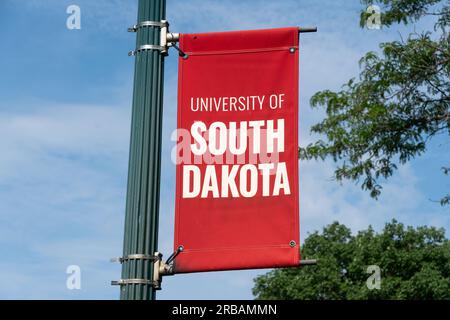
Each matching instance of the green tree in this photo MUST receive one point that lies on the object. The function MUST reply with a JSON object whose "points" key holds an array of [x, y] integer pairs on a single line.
{"points": [[414, 264], [400, 100]]}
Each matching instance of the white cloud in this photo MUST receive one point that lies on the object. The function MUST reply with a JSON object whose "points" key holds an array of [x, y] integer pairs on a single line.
{"points": [[62, 181], [63, 129]]}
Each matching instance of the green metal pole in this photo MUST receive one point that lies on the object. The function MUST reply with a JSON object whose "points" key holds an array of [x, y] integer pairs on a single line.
{"points": [[142, 203]]}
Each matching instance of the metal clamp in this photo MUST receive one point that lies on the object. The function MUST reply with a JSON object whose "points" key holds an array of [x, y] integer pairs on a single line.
{"points": [[146, 47], [160, 269], [137, 256], [166, 38], [124, 282], [143, 24]]}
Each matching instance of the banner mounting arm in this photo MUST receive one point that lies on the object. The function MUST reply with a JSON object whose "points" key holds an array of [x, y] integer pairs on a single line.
{"points": [[171, 37], [308, 262], [168, 39], [307, 29]]}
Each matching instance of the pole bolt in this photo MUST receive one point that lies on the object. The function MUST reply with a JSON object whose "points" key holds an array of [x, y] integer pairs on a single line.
{"points": [[292, 243]]}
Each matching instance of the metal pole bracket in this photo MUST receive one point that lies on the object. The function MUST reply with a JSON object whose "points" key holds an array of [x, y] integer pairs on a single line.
{"points": [[124, 282], [160, 269], [143, 24], [137, 256], [167, 39]]}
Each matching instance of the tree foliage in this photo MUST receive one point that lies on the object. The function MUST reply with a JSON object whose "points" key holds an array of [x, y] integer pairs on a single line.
{"points": [[400, 100], [414, 263]]}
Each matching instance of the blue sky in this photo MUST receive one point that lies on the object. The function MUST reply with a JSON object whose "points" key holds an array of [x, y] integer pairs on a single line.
{"points": [[64, 137]]}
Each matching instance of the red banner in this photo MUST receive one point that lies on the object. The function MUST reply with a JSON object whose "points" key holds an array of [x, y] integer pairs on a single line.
{"points": [[237, 166]]}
